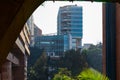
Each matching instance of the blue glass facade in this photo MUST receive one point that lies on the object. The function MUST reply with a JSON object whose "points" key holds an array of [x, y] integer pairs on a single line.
{"points": [[70, 22], [53, 44]]}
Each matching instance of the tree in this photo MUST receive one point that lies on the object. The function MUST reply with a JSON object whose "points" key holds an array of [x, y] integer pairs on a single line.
{"points": [[94, 56], [39, 70], [64, 71], [63, 74], [35, 53], [31, 74], [41, 67], [86, 74], [74, 61]]}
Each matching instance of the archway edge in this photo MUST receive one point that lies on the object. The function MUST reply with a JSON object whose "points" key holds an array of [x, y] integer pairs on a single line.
{"points": [[12, 31]]}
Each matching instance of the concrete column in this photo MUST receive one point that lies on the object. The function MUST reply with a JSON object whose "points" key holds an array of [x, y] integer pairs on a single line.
{"points": [[104, 41], [0, 76], [117, 41], [109, 51], [0, 73], [6, 72], [19, 71]]}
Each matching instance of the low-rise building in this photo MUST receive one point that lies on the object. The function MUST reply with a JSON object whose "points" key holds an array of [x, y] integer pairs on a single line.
{"points": [[54, 45], [86, 45]]}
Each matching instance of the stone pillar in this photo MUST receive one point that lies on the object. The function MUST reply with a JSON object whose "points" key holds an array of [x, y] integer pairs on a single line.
{"points": [[0, 73], [0, 76], [104, 41], [109, 51], [6, 71], [19, 70], [18, 73], [117, 41]]}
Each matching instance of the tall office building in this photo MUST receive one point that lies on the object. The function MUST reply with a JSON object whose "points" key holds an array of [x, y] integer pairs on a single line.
{"points": [[70, 22]]}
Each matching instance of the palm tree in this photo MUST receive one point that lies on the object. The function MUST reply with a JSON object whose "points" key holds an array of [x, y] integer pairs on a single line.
{"points": [[91, 74]]}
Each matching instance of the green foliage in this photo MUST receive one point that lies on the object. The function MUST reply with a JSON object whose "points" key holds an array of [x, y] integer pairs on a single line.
{"points": [[61, 77], [86, 74], [85, 51], [31, 74], [35, 54], [63, 74], [94, 56], [38, 71], [91, 74], [41, 61], [74, 61], [64, 71]]}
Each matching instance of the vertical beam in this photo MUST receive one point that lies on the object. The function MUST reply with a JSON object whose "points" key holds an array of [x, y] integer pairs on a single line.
{"points": [[117, 41], [7, 71], [104, 40], [110, 25], [18, 71]]}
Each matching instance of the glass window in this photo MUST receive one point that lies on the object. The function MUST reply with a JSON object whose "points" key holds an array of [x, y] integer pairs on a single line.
{"points": [[45, 42]]}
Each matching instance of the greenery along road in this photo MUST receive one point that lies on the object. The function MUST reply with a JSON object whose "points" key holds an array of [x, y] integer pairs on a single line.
{"points": [[73, 61]]}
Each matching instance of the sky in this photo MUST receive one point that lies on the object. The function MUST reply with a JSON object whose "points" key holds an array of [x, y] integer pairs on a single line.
{"points": [[45, 17]]}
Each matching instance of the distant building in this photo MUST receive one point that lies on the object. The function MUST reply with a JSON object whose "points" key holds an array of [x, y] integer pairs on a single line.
{"points": [[30, 23], [37, 31], [86, 46], [34, 30], [54, 45], [69, 21]]}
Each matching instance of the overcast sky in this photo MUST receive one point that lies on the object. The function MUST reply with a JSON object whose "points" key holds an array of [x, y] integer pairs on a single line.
{"points": [[45, 17]]}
